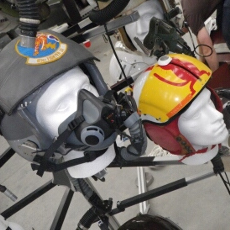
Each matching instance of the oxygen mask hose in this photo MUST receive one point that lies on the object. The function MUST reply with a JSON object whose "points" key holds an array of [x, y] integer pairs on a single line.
{"points": [[29, 20], [138, 138]]}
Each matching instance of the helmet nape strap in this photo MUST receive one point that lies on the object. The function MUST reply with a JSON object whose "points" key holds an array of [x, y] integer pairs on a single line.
{"points": [[89, 156], [198, 152]]}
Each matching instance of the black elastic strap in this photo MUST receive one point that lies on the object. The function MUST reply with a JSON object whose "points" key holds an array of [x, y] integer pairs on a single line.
{"points": [[56, 144], [89, 157], [2, 114]]}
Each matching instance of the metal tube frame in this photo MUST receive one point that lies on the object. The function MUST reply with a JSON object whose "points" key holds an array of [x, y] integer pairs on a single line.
{"points": [[121, 206], [140, 163]]}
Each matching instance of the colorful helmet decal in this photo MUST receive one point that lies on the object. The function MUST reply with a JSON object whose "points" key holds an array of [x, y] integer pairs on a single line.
{"points": [[48, 48]]}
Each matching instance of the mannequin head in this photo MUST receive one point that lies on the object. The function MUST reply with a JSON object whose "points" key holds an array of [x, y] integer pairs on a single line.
{"points": [[135, 62], [140, 28], [179, 112], [58, 99], [49, 110], [203, 125], [54, 111]]}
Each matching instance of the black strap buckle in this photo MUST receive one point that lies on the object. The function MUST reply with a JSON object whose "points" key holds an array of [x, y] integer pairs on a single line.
{"points": [[90, 156], [76, 122]]}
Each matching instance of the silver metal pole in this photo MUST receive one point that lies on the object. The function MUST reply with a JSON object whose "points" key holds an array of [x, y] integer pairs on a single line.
{"points": [[144, 206], [197, 178]]}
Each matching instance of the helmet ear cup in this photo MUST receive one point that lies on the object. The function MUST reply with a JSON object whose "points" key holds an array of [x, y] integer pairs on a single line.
{"points": [[163, 137], [169, 137]]}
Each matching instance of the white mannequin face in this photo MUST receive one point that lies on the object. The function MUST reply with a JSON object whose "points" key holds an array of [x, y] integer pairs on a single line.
{"points": [[202, 124], [140, 28], [59, 99]]}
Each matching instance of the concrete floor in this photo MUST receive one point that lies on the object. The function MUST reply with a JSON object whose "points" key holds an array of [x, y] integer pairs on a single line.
{"points": [[203, 205]]}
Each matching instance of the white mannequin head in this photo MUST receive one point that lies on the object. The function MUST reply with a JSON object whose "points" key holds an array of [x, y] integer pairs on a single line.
{"points": [[140, 28], [179, 113], [54, 103], [203, 126]]}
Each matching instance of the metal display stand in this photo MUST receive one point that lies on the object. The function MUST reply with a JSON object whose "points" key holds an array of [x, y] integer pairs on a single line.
{"points": [[144, 195], [142, 188], [121, 205]]}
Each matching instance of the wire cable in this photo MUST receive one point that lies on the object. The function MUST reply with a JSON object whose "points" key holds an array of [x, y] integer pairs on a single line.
{"points": [[200, 45], [115, 54], [201, 55]]}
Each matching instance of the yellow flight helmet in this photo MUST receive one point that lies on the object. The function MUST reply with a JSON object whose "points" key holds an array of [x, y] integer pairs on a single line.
{"points": [[166, 88]]}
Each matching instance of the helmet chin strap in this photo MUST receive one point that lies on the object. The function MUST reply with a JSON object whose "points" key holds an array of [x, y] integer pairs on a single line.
{"points": [[205, 150]]}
